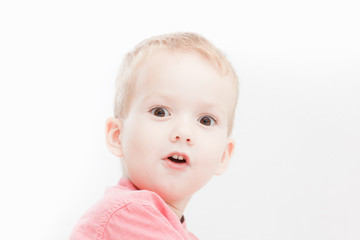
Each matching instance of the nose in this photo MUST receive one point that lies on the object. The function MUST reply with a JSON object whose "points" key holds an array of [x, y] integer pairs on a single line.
{"points": [[182, 133]]}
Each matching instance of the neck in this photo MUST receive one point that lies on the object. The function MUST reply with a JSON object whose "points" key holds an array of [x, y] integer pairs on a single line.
{"points": [[178, 207], [178, 212]]}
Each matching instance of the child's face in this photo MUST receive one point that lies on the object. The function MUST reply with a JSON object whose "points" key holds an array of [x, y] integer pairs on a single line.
{"points": [[180, 107]]}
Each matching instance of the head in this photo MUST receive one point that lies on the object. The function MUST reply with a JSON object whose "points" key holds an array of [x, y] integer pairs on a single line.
{"points": [[175, 42], [175, 101]]}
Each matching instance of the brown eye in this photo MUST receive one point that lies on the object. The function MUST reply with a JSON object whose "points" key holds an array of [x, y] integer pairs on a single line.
{"points": [[160, 112], [207, 121]]}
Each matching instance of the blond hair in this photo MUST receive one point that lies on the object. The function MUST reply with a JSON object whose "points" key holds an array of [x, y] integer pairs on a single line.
{"points": [[185, 41]]}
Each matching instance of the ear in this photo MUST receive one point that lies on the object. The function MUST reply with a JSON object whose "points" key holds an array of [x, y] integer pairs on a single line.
{"points": [[224, 163], [113, 129]]}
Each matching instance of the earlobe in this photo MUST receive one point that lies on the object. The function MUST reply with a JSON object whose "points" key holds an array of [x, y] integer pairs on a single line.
{"points": [[113, 129], [225, 160]]}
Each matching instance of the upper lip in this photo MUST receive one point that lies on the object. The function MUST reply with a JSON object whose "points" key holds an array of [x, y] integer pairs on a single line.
{"points": [[179, 154]]}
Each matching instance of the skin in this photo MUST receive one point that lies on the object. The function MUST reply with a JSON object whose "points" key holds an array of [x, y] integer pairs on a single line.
{"points": [[180, 105]]}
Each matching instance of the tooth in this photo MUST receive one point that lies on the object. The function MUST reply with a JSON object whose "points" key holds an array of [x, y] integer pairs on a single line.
{"points": [[175, 156], [181, 158]]}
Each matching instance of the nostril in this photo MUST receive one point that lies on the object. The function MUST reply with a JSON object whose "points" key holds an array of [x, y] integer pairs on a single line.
{"points": [[178, 138]]}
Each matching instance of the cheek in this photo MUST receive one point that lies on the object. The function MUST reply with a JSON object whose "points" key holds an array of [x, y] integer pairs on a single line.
{"points": [[141, 139], [136, 149], [134, 140], [213, 152]]}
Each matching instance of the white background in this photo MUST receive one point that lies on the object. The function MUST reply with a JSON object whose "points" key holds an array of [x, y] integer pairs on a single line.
{"points": [[295, 173]]}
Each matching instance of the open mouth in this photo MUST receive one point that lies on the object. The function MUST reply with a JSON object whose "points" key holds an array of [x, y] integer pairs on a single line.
{"points": [[177, 161], [177, 158]]}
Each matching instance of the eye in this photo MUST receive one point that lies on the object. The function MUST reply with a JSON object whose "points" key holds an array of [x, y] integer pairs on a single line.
{"points": [[207, 120], [160, 112]]}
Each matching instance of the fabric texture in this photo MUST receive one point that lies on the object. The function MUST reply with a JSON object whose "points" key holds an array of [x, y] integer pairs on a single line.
{"points": [[128, 213]]}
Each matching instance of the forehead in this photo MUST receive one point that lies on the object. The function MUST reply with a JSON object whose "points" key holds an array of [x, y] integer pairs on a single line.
{"points": [[187, 75], [176, 65]]}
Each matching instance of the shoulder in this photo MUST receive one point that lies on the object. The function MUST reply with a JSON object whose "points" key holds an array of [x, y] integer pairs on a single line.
{"points": [[123, 211], [139, 220], [117, 199]]}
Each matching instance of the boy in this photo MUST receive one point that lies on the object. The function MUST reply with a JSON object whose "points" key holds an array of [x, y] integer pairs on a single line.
{"points": [[175, 100]]}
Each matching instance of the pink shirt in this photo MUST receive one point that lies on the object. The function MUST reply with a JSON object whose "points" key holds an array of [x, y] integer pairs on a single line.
{"points": [[128, 213]]}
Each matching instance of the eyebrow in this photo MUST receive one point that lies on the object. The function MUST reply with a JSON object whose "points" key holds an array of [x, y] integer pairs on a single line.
{"points": [[166, 97]]}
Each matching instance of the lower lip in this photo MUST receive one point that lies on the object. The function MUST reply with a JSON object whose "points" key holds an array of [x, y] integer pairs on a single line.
{"points": [[177, 166]]}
